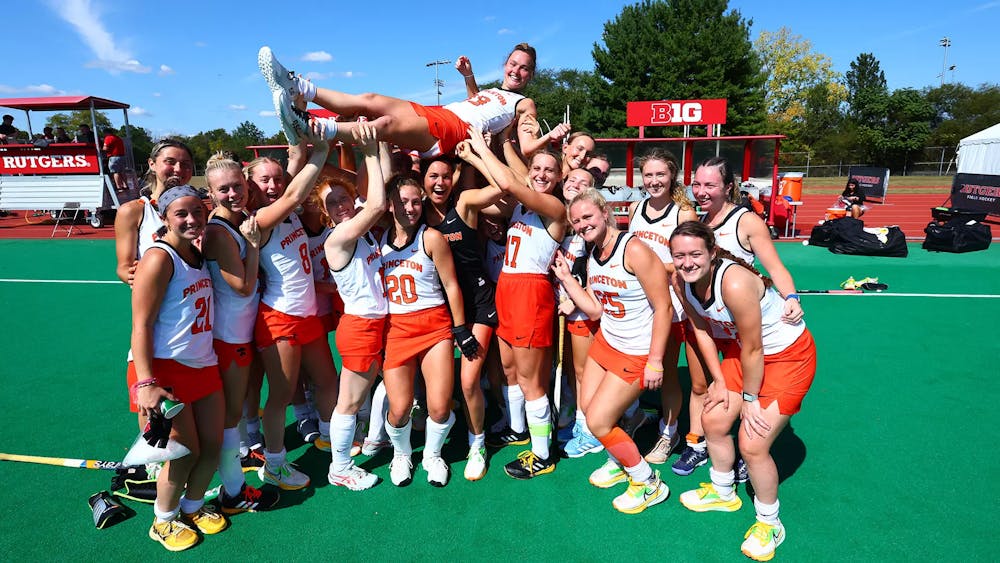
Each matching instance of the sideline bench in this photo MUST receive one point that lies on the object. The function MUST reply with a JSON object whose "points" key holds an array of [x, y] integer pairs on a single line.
{"points": [[58, 194]]}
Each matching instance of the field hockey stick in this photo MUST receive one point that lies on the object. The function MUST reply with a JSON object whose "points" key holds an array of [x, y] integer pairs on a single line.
{"points": [[842, 291], [557, 391], [65, 462]]}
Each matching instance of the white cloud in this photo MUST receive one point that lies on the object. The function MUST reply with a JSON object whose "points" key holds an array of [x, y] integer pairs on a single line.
{"points": [[986, 6], [505, 31], [34, 89], [267, 113], [322, 76], [165, 70], [84, 16], [237, 107], [136, 110], [318, 57]]}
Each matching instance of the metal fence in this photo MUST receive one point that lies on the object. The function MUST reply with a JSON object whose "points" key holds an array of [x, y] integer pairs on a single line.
{"points": [[931, 161]]}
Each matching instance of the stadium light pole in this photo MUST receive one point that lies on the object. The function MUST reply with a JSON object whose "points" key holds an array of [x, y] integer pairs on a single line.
{"points": [[438, 83], [944, 42]]}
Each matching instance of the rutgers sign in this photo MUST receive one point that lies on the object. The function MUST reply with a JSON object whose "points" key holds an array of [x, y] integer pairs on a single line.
{"points": [[676, 112], [58, 159]]}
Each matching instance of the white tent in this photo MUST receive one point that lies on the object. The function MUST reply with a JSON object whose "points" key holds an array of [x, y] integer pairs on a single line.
{"points": [[980, 153]]}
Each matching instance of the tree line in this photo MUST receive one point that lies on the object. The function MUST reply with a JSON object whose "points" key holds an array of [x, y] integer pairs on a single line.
{"points": [[701, 49]]}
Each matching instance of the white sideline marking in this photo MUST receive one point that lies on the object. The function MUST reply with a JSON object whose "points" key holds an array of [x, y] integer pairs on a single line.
{"points": [[885, 294], [14, 280]]}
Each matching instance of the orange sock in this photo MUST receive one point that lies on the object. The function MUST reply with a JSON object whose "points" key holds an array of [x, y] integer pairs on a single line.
{"points": [[620, 445]]}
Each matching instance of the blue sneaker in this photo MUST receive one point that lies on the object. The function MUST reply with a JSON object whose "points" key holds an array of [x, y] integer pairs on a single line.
{"points": [[582, 444], [690, 460]]}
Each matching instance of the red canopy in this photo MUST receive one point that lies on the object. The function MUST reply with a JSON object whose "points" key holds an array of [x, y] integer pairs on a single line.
{"points": [[58, 103]]}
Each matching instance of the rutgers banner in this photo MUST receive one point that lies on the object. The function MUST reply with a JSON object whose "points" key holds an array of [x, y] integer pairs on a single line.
{"points": [[53, 159], [873, 181], [976, 192]]}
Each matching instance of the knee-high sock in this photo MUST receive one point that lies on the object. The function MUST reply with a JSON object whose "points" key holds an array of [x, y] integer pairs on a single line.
{"points": [[230, 468], [436, 434], [513, 399], [377, 412], [539, 425], [400, 437], [341, 437]]}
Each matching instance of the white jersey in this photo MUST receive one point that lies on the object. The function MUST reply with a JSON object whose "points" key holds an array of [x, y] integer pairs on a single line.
{"points": [[149, 227], [234, 313], [183, 329], [320, 269], [411, 280], [494, 258], [574, 248], [656, 234], [489, 110], [727, 235], [627, 317], [287, 269], [530, 248], [360, 281], [775, 333]]}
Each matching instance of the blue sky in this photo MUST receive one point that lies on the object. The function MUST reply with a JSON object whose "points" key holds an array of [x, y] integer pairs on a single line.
{"points": [[187, 66]]}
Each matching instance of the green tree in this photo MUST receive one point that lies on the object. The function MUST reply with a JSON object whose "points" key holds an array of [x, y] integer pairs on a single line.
{"points": [[680, 50], [206, 143], [72, 121], [899, 132], [792, 69], [825, 131], [245, 135], [960, 111], [866, 88]]}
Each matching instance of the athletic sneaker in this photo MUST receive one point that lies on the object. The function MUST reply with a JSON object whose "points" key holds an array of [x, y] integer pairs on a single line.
{"points": [[355, 479], [690, 460], [707, 499], [294, 121], [173, 535], [322, 443], [640, 496], [401, 470], [437, 470], [507, 437], [528, 465], [206, 519], [502, 423], [742, 473], [249, 499], [255, 440], [475, 467], [761, 540], [373, 447], [632, 423], [309, 429], [360, 431], [276, 75], [284, 477], [582, 444], [608, 475], [254, 460], [663, 448]]}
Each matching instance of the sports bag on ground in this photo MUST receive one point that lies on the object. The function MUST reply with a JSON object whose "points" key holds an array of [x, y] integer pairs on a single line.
{"points": [[957, 235]]}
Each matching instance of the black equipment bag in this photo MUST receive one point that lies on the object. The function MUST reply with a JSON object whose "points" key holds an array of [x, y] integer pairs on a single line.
{"points": [[858, 241], [957, 235]]}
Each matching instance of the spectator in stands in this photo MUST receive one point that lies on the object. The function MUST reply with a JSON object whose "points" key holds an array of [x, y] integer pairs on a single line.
{"points": [[599, 166], [114, 149], [84, 135], [62, 136], [8, 132], [48, 135], [853, 199]]}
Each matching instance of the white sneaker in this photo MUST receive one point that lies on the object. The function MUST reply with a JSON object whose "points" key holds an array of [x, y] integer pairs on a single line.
{"points": [[437, 471], [355, 479], [401, 470], [284, 476], [475, 467], [608, 475], [640, 496], [372, 447], [762, 540]]}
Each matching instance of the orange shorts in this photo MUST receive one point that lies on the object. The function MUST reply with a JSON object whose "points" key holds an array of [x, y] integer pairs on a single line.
{"points": [[444, 126], [526, 307], [584, 327], [188, 384], [628, 368], [239, 354], [273, 325], [787, 374], [360, 342], [411, 334]]}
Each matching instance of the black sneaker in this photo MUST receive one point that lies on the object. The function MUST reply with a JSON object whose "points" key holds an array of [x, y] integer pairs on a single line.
{"points": [[249, 499], [742, 474], [253, 461], [507, 437], [690, 460], [528, 465]]}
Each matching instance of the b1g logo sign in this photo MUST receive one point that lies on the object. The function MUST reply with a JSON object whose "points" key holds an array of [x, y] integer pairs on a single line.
{"points": [[676, 112]]}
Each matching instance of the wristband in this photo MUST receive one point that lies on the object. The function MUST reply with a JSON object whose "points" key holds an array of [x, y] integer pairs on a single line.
{"points": [[794, 296], [133, 391], [651, 368], [468, 75]]}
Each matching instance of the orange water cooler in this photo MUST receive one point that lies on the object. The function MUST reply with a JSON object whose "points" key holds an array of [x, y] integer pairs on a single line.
{"points": [[791, 185]]}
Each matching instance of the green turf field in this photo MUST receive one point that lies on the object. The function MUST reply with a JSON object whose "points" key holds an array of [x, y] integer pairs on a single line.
{"points": [[875, 467]]}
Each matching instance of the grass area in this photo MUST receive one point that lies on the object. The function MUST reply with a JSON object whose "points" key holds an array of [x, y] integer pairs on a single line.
{"points": [[897, 184]]}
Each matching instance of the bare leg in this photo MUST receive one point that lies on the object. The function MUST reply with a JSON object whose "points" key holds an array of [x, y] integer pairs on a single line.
{"points": [[472, 391]]}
